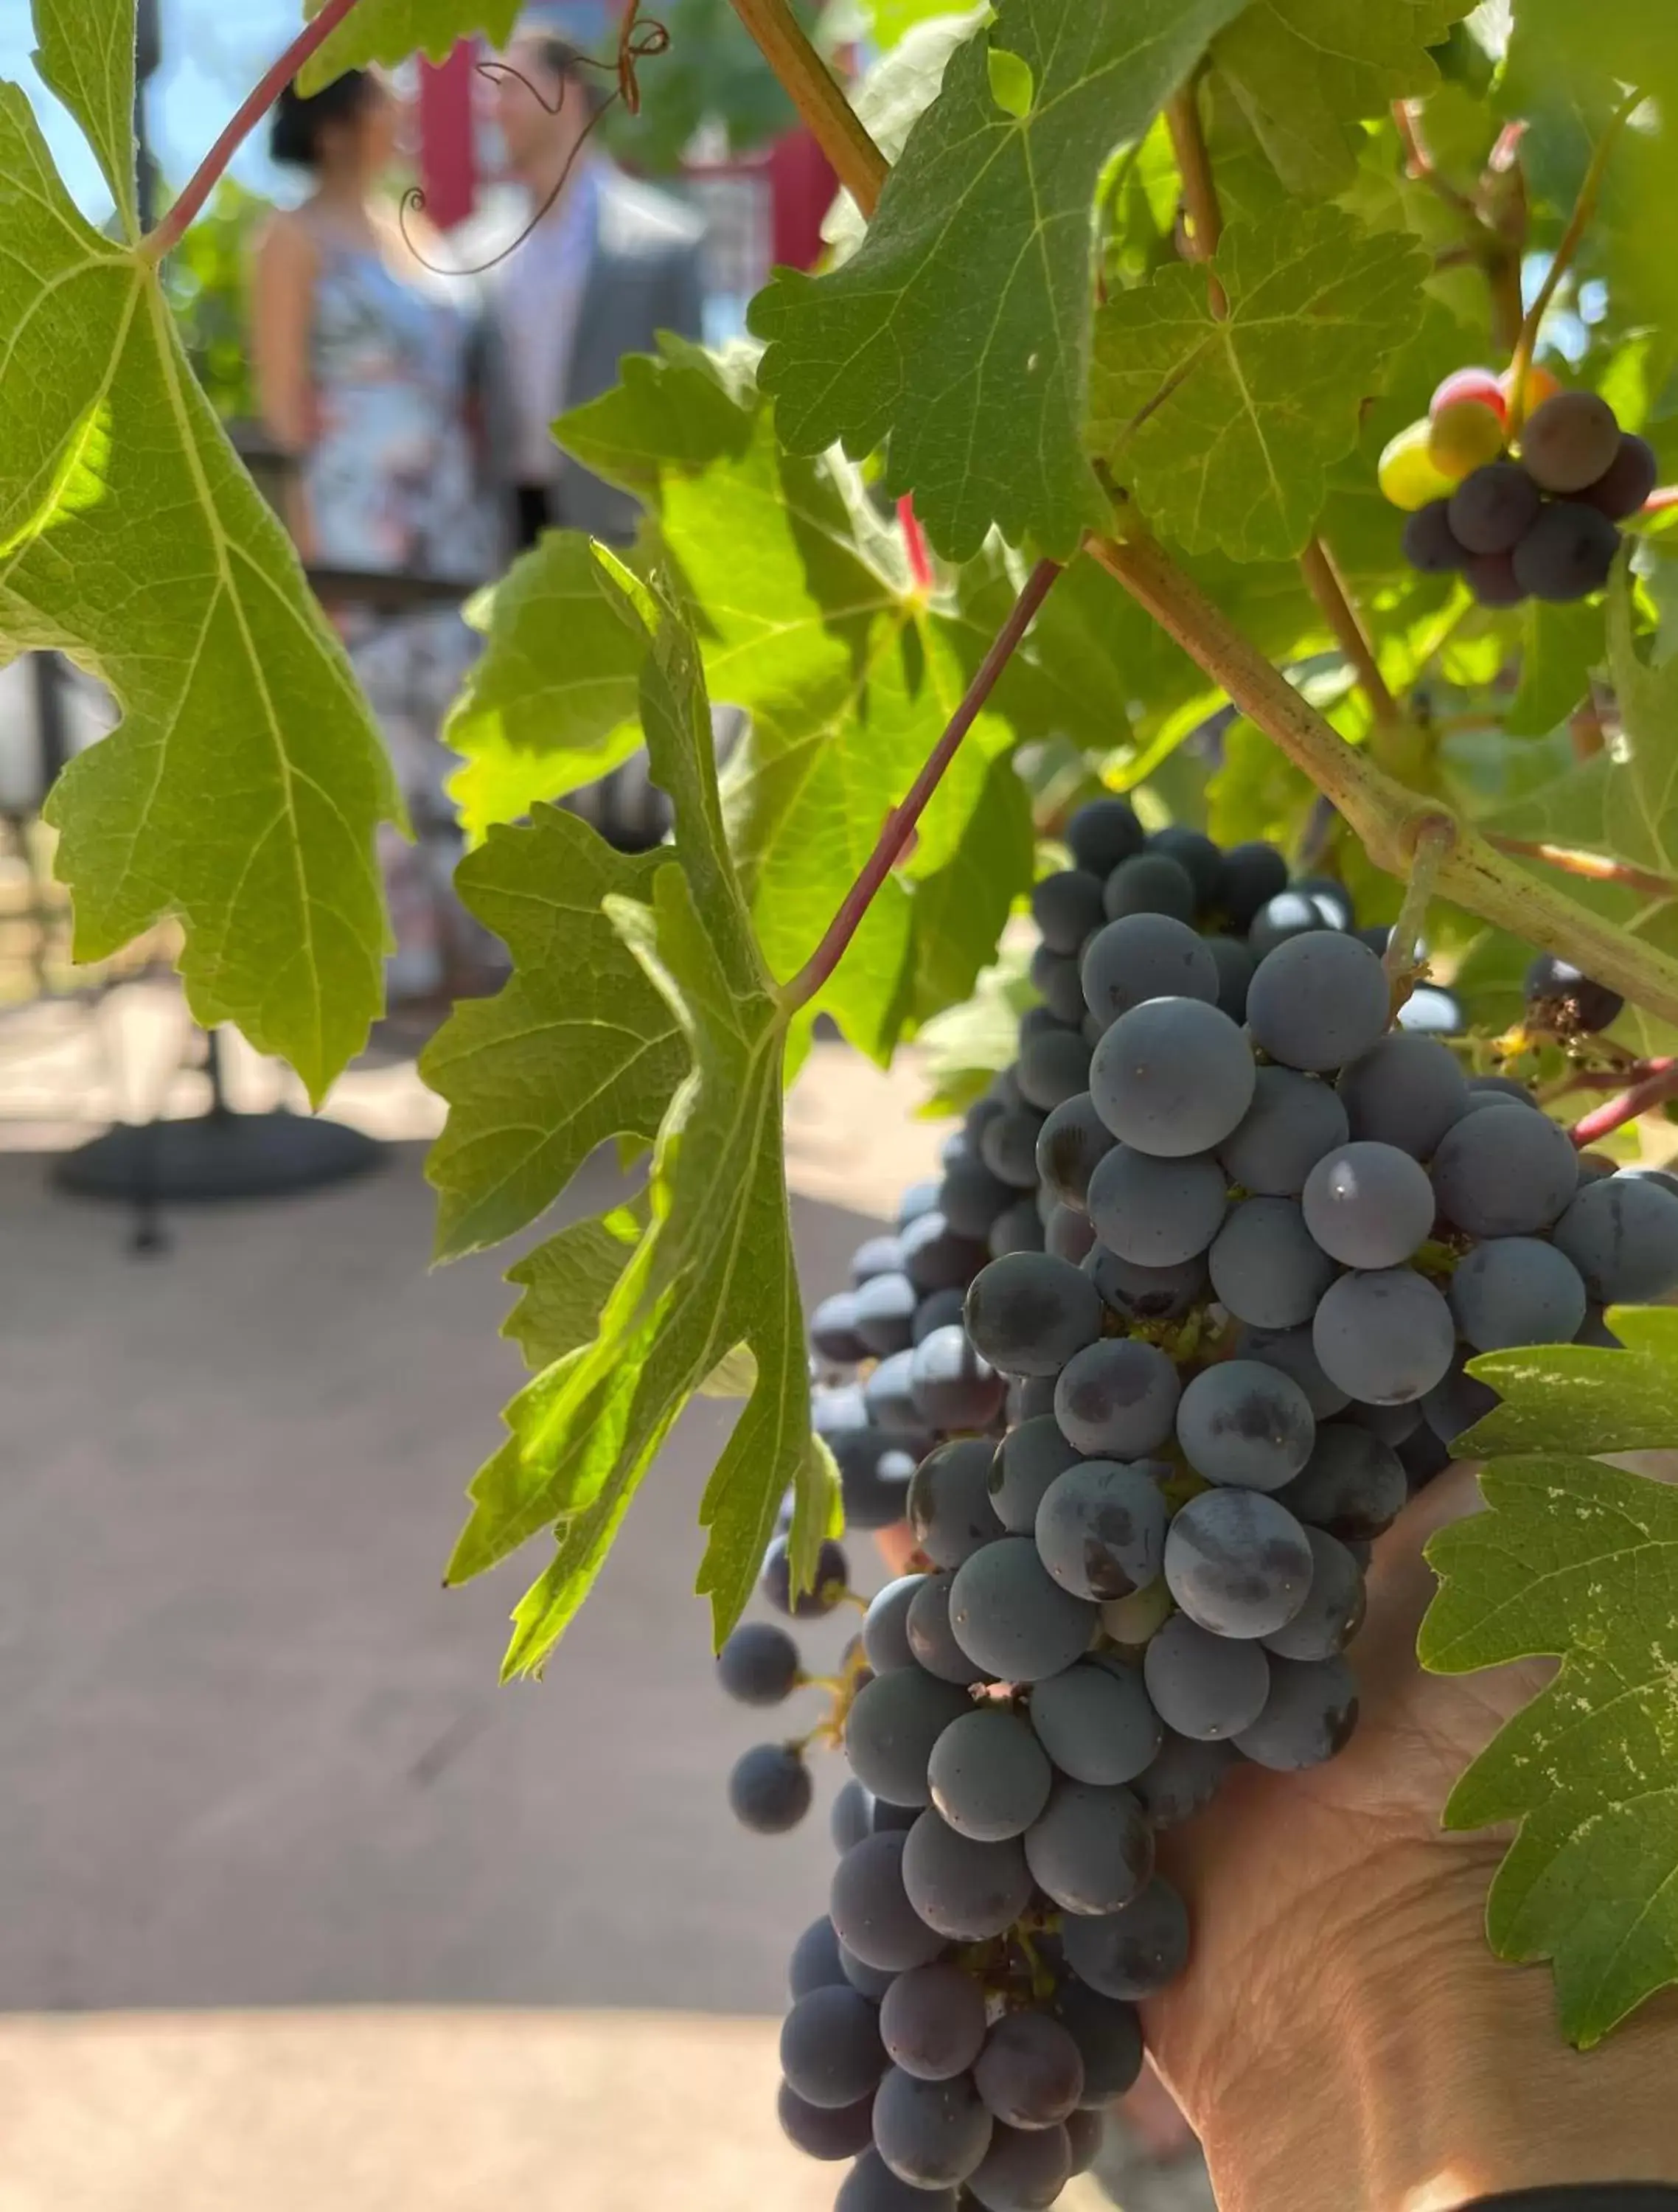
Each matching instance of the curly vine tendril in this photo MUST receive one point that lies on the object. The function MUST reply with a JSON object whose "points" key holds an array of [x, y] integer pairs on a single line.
{"points": [[642, 41]]}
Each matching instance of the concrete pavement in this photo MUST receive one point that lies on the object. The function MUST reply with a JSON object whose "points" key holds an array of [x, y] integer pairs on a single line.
{"points": [[344, 1923]]}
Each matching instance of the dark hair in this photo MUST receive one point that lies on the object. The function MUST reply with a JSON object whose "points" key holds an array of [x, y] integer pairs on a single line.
{"points": [[299, 120], [569, 65]]}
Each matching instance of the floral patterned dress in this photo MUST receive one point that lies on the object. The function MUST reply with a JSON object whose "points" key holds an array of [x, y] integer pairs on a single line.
{"points": [[394, 486]]}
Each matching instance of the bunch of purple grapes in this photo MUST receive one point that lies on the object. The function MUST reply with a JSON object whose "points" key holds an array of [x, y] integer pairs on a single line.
{"points": [[1232, 1237], [1539, 524]]}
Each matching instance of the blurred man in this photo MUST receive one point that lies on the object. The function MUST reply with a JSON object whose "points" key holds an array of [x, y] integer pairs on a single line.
{"points": [[609, 264]]}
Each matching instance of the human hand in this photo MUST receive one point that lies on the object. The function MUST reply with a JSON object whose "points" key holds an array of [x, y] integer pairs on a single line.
{"points": [[1343, 2039]]}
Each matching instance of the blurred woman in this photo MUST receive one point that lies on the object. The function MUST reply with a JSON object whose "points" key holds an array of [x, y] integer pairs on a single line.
{"points": [[364, 362]]}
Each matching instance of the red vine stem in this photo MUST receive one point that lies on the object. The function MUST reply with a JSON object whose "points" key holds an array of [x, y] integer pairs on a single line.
{"points": [[1593, 866], [900, 823], [1603, 1079], [1654, 1091], [214, 166], [914, 541], [1419, 164]]}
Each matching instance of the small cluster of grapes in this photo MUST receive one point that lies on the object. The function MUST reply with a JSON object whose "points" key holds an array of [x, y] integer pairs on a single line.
{"points": [[1538, 523], [1231, 1239]]}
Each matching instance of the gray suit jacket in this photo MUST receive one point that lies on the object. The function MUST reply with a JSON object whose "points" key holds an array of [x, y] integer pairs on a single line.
{"points": [[644, 276]]}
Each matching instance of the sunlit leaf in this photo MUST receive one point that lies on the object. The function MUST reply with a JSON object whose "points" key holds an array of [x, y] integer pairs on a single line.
{"points": [[957, 337], [1223, 426], [713, 1272], [1306, 70], [242, 787], [1577, 1561]]}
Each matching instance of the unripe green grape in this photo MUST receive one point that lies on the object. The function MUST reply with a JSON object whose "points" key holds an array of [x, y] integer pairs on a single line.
{"points": [[1462, 437], [1406, 472]]}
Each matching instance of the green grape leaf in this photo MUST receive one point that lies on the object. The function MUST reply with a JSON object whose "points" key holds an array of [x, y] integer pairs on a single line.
{"points": [[1304, 71], [1577, 1561], [1255, 791], [957, 337], [1584, 1398], [1554, 43], [567, 1281], [241, 790], [1224, 429], [391, 31], [552, 703], [1560, 646], [1622, 803], [965, 1047], [713, 1271], [810, 624], [894, 18], [890, 99], [577, 1046]]}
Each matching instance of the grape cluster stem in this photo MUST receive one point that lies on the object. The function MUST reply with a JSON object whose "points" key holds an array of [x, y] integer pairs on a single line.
{"points": [[1436, 840]]}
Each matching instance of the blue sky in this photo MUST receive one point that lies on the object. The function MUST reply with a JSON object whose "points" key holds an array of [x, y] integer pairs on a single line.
{"points": [[215, 50]]}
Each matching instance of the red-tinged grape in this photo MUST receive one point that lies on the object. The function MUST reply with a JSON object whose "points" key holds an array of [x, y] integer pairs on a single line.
{"points": [[1626, 483], [1491, 578], [1491, 510], [1405, 473], [1570, 441], [1568, 553], [1464, 436], [1482, 384], [1536, 387], [1430, 544]]}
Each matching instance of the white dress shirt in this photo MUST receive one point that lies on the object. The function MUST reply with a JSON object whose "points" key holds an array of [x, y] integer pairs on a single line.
{"points": [[539, 291]]}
